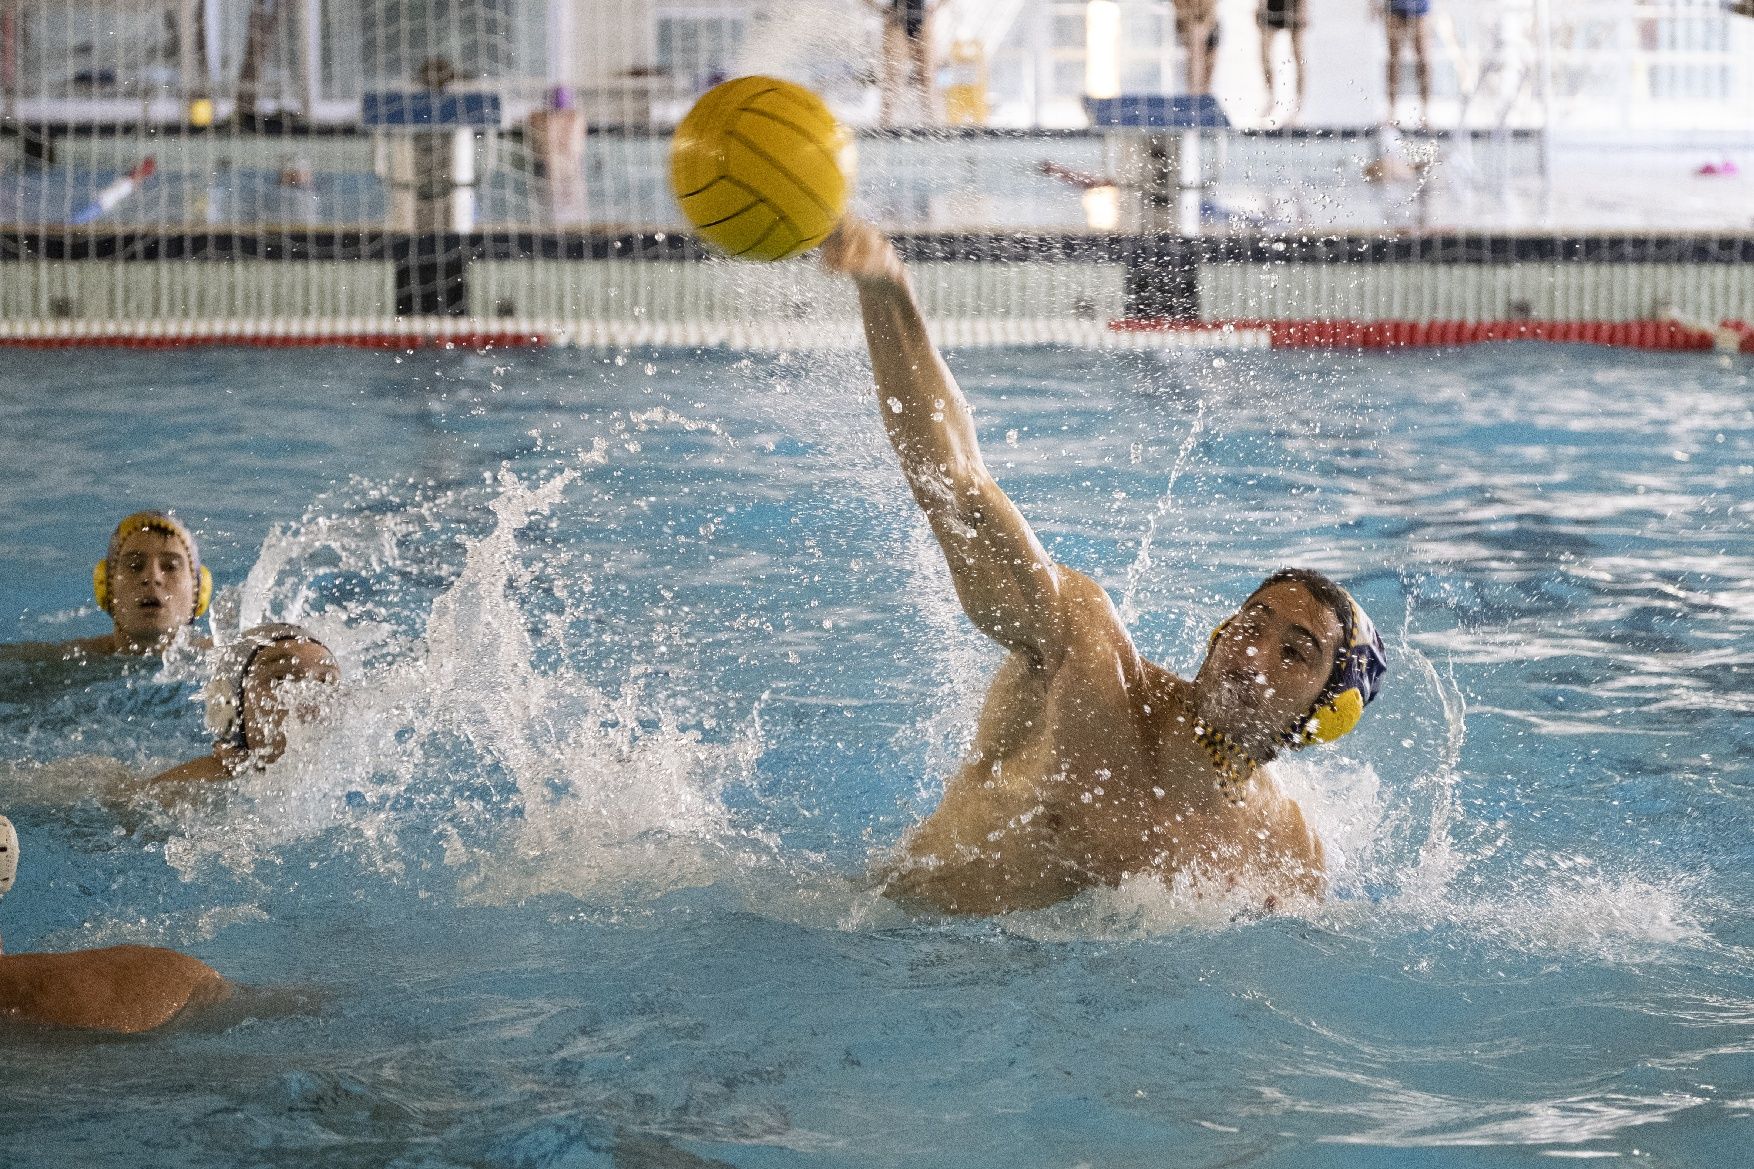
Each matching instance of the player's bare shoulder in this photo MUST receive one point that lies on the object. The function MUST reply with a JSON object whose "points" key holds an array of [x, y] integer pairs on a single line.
{"points": [[1089, 622], [1291, 846]]}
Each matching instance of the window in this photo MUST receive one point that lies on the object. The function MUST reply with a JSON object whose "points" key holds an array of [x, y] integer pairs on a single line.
{"points": [[1068, 79], [381, 44], [88, 50], [1142, 75], [1068, 29], [698, 49]]}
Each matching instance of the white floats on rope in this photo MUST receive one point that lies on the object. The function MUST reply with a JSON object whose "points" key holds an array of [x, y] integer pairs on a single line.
{"points": [[489, 332]]}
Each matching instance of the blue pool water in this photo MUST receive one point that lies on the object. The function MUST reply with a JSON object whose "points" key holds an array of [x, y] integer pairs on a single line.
{"points": [[649, 656]]}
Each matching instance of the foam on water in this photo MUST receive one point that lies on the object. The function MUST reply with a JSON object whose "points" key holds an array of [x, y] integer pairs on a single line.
{"points": [[1404, 1119]]}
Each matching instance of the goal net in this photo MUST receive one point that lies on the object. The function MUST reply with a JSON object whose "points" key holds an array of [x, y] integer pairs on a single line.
{"points": [[390, 171]]}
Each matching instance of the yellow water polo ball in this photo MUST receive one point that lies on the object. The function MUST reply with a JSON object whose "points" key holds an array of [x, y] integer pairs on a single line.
{"points": [[761, 168]]}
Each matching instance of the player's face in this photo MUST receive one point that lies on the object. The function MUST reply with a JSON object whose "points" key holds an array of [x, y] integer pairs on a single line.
{"points": [[1268, 666], [287, 684], [152, 586]]}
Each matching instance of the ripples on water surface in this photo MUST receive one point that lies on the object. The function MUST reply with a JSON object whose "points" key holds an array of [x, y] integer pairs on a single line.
{"points": [[647, 656]]}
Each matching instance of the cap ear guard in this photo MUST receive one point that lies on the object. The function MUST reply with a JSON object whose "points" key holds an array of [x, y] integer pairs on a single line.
{"points": [[1357, 678], [223, 706], [8, 855], [1335, 718]]}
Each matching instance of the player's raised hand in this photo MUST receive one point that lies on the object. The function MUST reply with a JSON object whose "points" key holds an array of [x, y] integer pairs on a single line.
{"points": [[856, 248]]}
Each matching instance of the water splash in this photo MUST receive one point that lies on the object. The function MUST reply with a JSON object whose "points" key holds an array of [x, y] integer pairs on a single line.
{"points": [[534, 781], [1141, 564], [476, 735], [1396, 867]]}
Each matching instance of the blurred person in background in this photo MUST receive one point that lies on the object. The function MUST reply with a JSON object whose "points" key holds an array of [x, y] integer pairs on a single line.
{"points": [[907, 58], [1408, 23], [1275, 17], [1196, 26]]}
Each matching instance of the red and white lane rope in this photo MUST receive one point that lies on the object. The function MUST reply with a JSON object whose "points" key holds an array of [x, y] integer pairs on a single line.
{"points": [[496, 333]]}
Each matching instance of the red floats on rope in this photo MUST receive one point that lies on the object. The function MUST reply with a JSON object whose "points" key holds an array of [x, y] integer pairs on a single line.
{"points": [[1404, 334]]}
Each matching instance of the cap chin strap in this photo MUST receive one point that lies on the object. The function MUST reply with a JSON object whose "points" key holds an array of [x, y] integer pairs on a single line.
{"points": [[1233, 763], [8, 855]]}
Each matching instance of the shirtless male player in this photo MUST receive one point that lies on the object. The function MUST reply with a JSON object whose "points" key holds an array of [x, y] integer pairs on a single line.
{"points": [[1091, 764], [151, 583]]}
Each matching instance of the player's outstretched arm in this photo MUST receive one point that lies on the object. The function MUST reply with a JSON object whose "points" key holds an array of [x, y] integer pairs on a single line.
{"points": [[1005, 580]]}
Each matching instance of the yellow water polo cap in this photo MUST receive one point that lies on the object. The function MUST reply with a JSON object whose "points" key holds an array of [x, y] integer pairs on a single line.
{"points": [[153, 521]]}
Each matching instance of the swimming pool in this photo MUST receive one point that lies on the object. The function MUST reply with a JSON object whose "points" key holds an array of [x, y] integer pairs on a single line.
{"points": [[649, 654]]}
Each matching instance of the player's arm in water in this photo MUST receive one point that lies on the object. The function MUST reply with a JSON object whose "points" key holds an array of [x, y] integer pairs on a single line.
{"points": [[121, 988], [1007, 583], [203, 768]]}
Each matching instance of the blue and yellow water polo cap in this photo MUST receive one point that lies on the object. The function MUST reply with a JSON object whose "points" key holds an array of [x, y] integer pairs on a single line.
{"points": [[1357, 678]]}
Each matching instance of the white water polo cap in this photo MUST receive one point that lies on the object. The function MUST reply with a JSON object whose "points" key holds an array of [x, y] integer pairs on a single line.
{"points": [[8, 855], [224, 694]]}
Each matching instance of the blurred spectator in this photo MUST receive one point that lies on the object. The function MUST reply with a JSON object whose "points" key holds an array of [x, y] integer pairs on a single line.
{"points": [[1196, 26], [907, 57], [437, 74], [1277, 16], [1407, 28], [557, 138]]}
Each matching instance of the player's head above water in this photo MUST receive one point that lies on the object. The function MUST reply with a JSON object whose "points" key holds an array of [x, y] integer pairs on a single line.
{"points": [[1297, 663], [151, 581], [8, 855], [272, 675]]}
